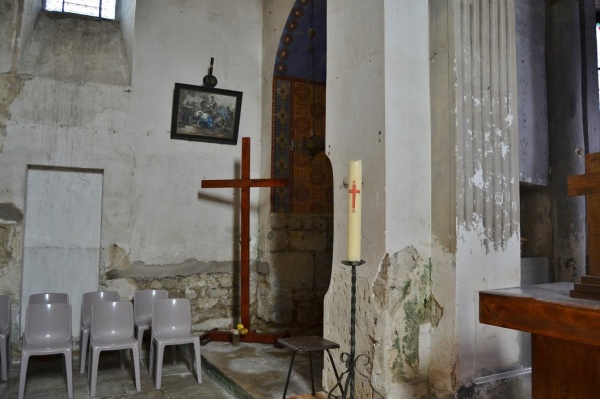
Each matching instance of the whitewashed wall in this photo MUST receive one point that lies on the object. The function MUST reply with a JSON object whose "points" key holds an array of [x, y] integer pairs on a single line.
{"points": [[378, 112], [151, 206]]}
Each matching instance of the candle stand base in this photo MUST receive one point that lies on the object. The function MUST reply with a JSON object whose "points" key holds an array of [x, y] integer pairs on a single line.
{"points": [[349, 359]]}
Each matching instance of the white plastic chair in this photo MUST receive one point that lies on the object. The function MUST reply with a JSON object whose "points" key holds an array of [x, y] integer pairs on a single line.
{"points": [[142, 310], [90, 298], [112, 329], [5, 327], [51, 297], [172, 325], [47, 332]]}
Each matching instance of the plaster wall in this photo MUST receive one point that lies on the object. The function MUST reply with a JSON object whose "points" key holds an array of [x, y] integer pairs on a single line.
{"points": [[275, 14], [408, 126], [377, 91], [475, 208], [9, 12], [126, 17], [531, 75], [28, 15], [567, 138], [153, 208]]}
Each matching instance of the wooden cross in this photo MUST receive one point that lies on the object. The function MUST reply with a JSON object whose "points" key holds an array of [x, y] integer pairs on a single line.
{"points": [[245, 183], [589, 185]]}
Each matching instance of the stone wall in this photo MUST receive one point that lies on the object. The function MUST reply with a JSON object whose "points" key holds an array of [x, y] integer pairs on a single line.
{"points": [[211, 287], [293, 279]]}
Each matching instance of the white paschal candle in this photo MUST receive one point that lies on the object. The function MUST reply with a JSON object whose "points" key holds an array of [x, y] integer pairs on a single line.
{"points": [[354, 210]]}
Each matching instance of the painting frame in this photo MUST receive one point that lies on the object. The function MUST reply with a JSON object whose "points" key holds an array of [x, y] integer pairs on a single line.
{"points": [[205, 114]]}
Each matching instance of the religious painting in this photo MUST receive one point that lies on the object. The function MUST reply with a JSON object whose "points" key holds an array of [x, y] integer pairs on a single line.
{"points": [[205, 114]]}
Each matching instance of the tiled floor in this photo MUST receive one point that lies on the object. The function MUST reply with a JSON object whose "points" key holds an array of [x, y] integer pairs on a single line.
{"points": [[249, 371], [46, 380]]}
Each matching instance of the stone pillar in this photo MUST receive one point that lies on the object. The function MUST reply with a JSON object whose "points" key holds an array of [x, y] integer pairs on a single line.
{"points": [[591, 111], [531, 75], [566, 137], [475, 147]]}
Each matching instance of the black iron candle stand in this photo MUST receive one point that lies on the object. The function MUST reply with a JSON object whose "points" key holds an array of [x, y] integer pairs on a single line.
{"points": [[349, 359]]}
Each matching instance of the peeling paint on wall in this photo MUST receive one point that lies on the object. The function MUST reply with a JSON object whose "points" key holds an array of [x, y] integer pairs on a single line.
{"points": [[9, 213], [402, 290], [10, 87]]}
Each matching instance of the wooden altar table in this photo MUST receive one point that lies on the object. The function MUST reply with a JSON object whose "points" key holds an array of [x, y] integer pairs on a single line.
{"points": [[565, 336]]}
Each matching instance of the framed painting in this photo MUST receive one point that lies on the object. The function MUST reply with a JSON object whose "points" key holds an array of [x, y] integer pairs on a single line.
{"points": [[205, 114]]}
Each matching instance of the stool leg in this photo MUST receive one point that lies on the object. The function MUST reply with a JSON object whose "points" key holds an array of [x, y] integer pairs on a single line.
{"points": [[289, 374], [337, 377], [312, 377]]}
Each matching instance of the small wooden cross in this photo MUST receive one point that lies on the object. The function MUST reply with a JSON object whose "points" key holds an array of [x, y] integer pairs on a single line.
{"points": [[245, 183], [589, 185]]}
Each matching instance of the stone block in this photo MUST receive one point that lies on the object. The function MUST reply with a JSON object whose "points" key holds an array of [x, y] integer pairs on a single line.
{"points": [[319, 223], [283, 310], [323, 266], [263, 268], [206, 303], [278, 241], [284, 221], [225, 280], [307, 314], [125, 287], [304, 240], [218, 293], [11, 243], [291, 270], [304, 295]]}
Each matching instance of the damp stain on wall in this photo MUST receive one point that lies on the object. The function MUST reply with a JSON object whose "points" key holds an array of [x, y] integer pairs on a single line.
{"points": [[402, 290]]}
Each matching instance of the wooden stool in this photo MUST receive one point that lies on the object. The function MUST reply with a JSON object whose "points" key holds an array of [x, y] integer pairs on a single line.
{"points": [[308, 344]]}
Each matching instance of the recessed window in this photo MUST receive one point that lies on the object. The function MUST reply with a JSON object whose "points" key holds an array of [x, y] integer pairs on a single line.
{"points": [[94, 8]]}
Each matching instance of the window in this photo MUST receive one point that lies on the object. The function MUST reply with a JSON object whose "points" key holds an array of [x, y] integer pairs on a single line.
{"points": [[95, 8]]}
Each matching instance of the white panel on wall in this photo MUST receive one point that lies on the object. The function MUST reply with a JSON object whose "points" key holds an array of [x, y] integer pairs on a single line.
{"points": [[62, 235]]}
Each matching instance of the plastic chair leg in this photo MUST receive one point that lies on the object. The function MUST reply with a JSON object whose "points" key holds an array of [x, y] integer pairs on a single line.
{"points": [[23, 374], [198, 361], [122, 359], [9, 355], [135, 359], [93, 371], [69, 367], [83, 348], [160, 349], [139, 334], [150, 360], [4, 350]]}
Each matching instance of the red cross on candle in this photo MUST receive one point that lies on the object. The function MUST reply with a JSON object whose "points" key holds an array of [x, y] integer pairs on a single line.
{"points": [[354, 191]]}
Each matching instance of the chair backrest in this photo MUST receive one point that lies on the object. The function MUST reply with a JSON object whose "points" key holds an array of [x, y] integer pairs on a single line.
{"points": [[112, 321], [5, 316], [90, 298], [48, 324], [171, 317], [142, 303], [51, 297]]}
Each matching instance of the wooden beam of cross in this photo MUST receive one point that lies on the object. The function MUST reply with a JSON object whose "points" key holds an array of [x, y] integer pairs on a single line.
{"points": [[245, 183], [588, 184]]}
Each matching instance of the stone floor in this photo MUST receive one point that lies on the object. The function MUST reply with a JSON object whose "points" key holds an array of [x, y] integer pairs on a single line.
{"points": [[249, 371]]}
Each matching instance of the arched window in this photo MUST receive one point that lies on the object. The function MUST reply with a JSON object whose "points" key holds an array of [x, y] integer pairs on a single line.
{"points": [[95, 8]]}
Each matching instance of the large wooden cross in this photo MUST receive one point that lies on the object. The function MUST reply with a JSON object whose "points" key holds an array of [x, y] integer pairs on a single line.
{"points": [[589, 185], [245, 183]]}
